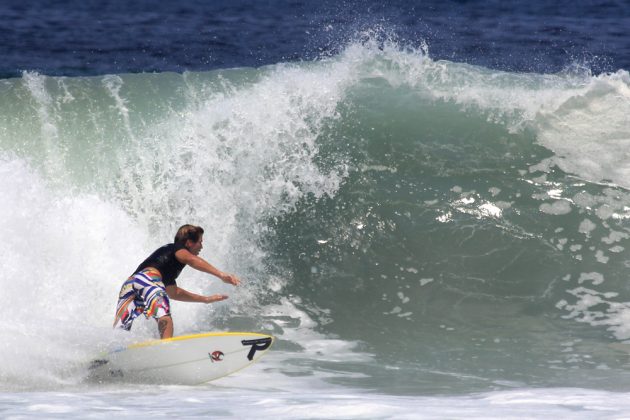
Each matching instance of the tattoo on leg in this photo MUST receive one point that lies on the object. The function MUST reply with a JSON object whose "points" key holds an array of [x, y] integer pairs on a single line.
{"points": [[162, 324]]}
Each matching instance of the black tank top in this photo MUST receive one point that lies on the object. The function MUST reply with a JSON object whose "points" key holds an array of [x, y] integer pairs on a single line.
{"points": [[164, 260]]}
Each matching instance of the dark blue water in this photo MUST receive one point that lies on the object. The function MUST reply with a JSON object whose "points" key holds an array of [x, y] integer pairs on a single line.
{"points": [[76, 38]]}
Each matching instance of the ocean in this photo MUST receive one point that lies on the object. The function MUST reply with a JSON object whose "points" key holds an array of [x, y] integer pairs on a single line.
{"points": [[428, 203]]}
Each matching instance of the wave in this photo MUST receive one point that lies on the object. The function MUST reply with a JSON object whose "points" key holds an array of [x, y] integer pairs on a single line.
{"points": [[430, 213]]}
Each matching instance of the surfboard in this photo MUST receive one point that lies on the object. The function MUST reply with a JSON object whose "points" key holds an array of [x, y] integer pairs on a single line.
{"points": [[186, 360]]}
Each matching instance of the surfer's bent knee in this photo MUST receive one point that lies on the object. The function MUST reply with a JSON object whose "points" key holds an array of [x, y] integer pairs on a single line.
{"points": [[143, 292]]}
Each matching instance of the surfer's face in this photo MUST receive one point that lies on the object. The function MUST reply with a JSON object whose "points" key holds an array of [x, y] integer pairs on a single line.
{"points": [[195, 247]]}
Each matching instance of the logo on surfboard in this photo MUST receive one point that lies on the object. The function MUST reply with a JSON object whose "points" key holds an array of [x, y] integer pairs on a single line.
{"points": [[216, 356], [257, 344]]}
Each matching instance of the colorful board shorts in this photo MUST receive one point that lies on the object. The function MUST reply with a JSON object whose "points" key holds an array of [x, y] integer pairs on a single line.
{"points": [[142, 293]]}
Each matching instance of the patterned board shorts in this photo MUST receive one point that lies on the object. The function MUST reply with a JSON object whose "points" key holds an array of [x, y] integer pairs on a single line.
{"points": [[142, 293]]}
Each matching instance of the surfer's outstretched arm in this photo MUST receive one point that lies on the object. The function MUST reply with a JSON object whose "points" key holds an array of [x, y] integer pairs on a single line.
{"points": [[186, 257], [177, 293]]}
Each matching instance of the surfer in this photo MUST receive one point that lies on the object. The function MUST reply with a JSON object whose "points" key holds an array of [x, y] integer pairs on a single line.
{"points": [[153, 283]]}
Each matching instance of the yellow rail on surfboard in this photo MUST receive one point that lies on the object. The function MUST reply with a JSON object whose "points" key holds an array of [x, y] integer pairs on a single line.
{"points": [[192, 336]]}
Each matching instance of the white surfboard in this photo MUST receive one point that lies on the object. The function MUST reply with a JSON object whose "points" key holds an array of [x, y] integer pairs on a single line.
{"points": [[186, 360]]}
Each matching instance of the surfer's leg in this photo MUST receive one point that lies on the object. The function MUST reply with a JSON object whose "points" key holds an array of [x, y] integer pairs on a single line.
{"points": [[128, 307], [158, 306], [165, 326], [144, 293]]}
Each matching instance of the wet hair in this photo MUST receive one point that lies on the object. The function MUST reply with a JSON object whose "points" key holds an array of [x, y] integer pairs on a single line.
{"points": [[187, 232]]}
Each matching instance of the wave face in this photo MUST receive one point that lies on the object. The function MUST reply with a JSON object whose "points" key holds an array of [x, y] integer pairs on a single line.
{"points": [[415, 224]]}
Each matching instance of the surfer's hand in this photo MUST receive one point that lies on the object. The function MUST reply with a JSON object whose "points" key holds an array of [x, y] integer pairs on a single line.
{"points": [[231, 279], [215, 298]]}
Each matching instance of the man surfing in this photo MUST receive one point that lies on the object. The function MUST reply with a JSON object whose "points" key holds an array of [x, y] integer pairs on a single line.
{"points": [[153, 283]]}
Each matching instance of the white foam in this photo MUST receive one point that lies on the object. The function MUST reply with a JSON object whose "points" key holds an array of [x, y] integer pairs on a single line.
{"points": [[595, 278], [557, 208], [267, 401], [68, 257], [586, 227]]}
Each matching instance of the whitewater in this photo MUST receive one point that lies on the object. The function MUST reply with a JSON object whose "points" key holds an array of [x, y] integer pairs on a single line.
{"points": [[424, 238]]}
